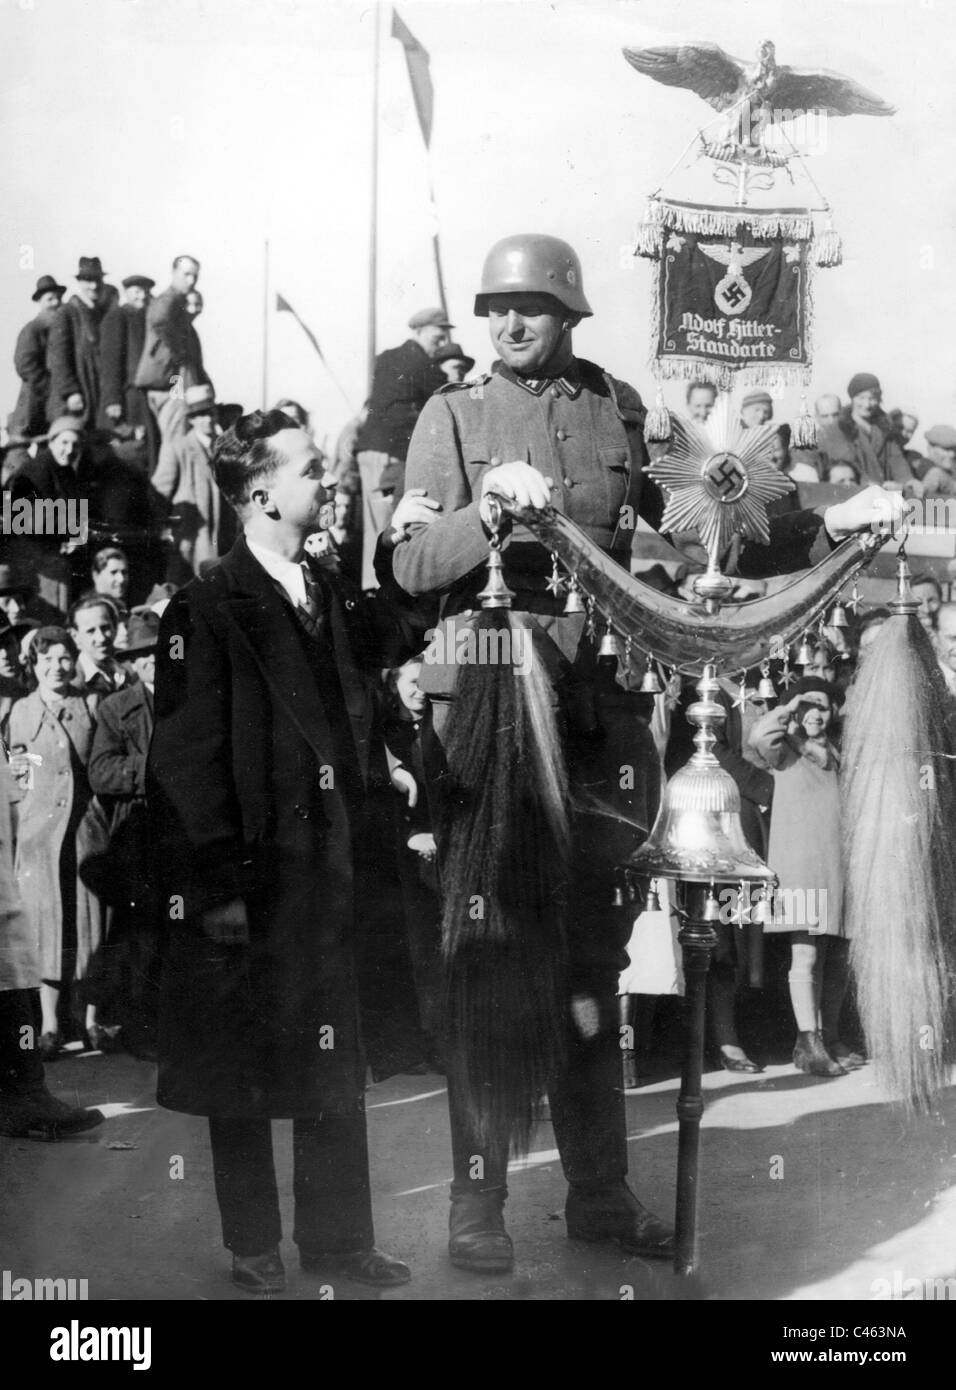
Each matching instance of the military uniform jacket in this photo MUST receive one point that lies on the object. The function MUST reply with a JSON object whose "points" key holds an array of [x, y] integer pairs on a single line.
{"points": [[584, 431]]}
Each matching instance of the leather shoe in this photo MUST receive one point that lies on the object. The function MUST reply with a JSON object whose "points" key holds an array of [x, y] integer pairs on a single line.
{"points": [[364, 1266], [259, 1273], [39, 1115], [614, 1213], [744, 1063], [478, 1240]]}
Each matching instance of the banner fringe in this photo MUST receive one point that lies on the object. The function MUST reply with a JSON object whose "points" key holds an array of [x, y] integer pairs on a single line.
{"points": [[713, 221], [726, 378]]}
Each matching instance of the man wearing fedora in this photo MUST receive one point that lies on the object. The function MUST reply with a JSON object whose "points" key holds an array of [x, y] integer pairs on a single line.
{"points": [[117, 773], [171, 359], [455, 363], [404, 379], [28, 418], [122, 337], [73, 351], [205, 528]]}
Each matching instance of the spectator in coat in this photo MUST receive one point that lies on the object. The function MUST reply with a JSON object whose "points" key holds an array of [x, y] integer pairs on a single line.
{"points": [[939, 476], [61, 472], [172, 356], [97, 673], [121, 347], [701, 399], [404, 379], [73, 351], [117, 772], [15, 593], [59, 825], [29, 417], [455, 363], [27, 1109], [864, 437], [13, 684], [205, 528], [110, 573], [756, 409]]}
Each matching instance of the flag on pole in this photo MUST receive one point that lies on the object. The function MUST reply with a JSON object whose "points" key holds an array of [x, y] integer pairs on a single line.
{"points": [[418, 74], [283, 306]]}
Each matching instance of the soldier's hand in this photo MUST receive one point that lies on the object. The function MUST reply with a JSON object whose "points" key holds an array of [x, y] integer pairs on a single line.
{"points": [[875, 509], [415, 509], [228, 923], [519, 482]]}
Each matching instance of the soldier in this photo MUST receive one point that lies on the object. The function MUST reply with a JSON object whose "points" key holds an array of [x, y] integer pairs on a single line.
{"points": [[548, 427]]}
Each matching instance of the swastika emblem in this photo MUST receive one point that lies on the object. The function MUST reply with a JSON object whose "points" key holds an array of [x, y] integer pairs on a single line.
{"points": [[724, 477], [732, 294]]}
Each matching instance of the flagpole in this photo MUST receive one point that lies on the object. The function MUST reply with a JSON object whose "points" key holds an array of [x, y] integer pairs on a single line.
{"points": [[265, 326], [436, 246], [373, 229]]}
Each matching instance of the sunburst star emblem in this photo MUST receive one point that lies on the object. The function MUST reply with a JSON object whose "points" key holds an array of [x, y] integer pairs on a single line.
{"points": [[719, 481]]}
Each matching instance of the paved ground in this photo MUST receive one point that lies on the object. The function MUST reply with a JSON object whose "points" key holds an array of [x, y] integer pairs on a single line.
{"points": [[810, 1190]]}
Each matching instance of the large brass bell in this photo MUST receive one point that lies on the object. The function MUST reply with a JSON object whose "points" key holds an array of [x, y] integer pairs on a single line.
{"points": [[765, 686], [838, 616], [496, 593]]}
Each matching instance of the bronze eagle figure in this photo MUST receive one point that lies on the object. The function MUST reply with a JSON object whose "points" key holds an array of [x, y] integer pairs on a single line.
{"points": [[725, 81]]}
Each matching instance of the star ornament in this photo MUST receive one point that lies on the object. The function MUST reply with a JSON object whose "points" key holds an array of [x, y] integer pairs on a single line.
{"points": [[718, 483]]}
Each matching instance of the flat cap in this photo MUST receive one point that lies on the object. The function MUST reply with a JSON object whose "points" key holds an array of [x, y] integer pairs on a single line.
{"points": [[139, 282], [63, 423], [434, 318], [943, 436], [753, 397]]}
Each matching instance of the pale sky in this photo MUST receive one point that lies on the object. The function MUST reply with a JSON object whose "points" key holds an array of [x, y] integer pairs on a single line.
{"points": [[138, 129]]}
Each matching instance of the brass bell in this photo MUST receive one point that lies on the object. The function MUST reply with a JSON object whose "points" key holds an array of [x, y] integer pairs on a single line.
{"points": [[496, 593], [765, 689], [711, 911], [762, 911], [574, 603], [652, 902], [804, 656], [650, 683], [838, 616], [610, 644]]}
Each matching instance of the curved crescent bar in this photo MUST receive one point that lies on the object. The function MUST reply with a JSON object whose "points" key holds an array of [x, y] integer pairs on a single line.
{"points": [[684, 635]]}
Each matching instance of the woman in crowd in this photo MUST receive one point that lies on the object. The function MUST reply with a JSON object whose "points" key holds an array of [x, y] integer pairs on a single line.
{"points": [[797, 741], [59, 825]]}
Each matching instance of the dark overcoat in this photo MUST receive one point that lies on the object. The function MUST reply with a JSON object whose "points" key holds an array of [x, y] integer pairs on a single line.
{"points": [[121, 346], [29, 358], [73, 358], [255, 788], [403, 380]]}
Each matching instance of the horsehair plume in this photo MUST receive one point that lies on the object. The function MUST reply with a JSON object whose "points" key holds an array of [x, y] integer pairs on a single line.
{"points": [[503, 840], [899, 811]]}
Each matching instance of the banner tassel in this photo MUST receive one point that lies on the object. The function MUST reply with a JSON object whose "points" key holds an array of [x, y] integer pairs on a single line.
{"points": [[657, 425]]}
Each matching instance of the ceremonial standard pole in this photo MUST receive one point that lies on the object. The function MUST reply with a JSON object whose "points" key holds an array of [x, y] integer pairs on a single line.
{"points": [[265, 325], [373, 222]]}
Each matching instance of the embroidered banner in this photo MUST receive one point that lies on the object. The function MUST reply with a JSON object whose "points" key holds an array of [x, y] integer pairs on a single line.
{"points": [[733, 305]]}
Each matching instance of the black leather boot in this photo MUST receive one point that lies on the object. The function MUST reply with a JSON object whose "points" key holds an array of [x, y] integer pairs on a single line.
{"points": [[478, 1240], [811, 1056], [612, 1212]]}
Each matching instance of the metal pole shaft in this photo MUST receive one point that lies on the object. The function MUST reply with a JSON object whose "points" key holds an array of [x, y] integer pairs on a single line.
{"points": [[373, 229], [265, 326], [697, 940]]}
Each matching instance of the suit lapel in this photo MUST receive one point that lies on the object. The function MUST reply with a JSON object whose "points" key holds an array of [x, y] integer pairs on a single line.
{"points": [[264, 622]]}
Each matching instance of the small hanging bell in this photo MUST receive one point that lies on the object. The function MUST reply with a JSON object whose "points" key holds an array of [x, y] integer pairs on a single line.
{"points": [[496, 593], [610, 644], [650, 683], [652, 903], [711, 911], [804, 656], [765, 687], [762, 911], [838, 616], [574, 603]]}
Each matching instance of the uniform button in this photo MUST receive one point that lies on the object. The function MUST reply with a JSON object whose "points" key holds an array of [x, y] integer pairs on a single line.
{"points": [[561, 434], [61, 803], [568, 482]]}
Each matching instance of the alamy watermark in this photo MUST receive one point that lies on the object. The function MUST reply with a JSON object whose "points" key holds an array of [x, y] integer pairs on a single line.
{"points": [[463, 644], [44, 516]]}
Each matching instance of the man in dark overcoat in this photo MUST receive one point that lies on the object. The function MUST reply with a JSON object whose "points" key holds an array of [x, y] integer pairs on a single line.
{"points": [[256, 791], [121, 347], [29, 418], [73, 350]]}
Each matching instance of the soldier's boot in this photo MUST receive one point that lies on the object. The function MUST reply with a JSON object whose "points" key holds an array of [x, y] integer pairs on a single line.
{"points": [[478, 1240], [39, 1115]]}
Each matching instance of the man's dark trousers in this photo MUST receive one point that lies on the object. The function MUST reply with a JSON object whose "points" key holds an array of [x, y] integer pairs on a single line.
{"points": [[333, 1204]]}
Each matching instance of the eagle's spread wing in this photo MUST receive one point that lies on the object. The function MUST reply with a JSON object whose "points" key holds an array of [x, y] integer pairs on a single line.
{"points": [[703, 67], [720, 254], [795, 90], [750, 254]]}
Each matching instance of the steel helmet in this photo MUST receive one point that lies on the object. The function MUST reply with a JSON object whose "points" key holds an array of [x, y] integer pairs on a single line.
{"points": [[534, 263]]}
